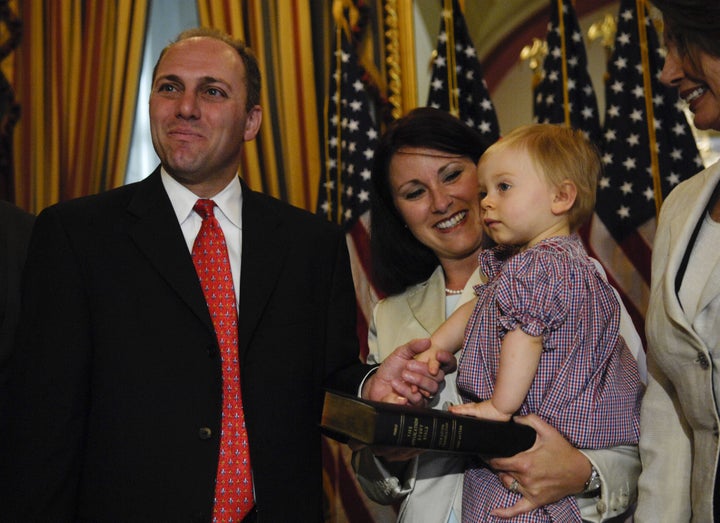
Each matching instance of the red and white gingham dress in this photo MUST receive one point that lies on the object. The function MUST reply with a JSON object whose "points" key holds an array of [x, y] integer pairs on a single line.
{"points": [[587, 384]]}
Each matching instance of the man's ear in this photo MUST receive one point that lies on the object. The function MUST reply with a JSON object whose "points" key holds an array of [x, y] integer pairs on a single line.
{"points": [[252, 123], [564, 197]]}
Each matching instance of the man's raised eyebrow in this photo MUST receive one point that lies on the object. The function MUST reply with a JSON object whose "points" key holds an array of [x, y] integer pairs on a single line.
{"points": [[169, 77], [205, 80], [212, 80]]}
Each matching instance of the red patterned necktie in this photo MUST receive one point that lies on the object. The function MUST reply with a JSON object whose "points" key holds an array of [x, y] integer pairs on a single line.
{"points": [[233, 485]]}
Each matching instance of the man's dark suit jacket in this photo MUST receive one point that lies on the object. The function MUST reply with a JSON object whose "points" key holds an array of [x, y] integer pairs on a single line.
{"points": [[116, 396], [15, 227]]}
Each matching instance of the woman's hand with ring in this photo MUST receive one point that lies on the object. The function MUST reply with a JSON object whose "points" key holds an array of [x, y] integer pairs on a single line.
{"points": [[550, 470]]}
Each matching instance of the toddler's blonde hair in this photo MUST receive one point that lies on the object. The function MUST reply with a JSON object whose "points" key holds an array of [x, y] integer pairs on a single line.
{"points": [[560, 153]]}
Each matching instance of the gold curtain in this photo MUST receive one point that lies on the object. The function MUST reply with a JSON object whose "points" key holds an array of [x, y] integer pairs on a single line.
{"points": [[284, 160], [76, 80]]}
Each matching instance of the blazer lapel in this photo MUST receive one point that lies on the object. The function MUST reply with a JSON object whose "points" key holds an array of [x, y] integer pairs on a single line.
{"points": [[711, 289], [680, 230], [157, 234], [428, 310], [425, 305], [262, 258]]}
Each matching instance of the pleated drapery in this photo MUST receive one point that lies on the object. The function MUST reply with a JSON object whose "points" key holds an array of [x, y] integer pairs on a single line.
{"points": [[284, 160], [77, 70]]}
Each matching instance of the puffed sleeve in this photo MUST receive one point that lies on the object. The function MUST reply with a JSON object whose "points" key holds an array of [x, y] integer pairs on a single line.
{"points": [[532, 294]]}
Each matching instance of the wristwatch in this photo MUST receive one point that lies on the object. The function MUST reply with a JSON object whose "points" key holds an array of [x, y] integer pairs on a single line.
{"points": [[593, 484]]}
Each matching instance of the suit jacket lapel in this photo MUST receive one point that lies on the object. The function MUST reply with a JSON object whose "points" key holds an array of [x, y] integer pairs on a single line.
{"points": [[5, 254], [157, 234], [262, 258]]}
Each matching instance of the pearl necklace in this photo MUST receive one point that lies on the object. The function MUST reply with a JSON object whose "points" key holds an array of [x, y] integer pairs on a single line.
{"points": [[453, 292]]}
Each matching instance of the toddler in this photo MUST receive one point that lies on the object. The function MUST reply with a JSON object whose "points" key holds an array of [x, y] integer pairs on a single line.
{"points": [[542, 335]]}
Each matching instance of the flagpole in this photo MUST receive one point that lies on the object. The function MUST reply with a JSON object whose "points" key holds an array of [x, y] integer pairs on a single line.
{"points": [[647, 81], [449, 14]]}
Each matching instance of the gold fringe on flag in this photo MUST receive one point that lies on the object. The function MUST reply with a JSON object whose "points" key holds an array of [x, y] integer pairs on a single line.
{"points": [[400, 59], [342, 24], [563, 49], [392, 59]]}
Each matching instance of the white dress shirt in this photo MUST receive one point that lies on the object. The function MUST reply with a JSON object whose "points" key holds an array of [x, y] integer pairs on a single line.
{"points": [[228, 212]]}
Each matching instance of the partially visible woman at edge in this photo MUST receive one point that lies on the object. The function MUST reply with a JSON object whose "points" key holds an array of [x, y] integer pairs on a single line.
{"points": [[679, 419], [426, 234]]}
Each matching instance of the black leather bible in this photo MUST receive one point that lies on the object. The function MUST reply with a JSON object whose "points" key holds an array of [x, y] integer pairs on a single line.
{"points": [[347, 417]]}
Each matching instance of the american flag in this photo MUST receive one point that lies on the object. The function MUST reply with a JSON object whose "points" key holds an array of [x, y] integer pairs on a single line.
{"points": [[565, 93], [621, 232], [457, 84], [351, 134], [635, 144]]}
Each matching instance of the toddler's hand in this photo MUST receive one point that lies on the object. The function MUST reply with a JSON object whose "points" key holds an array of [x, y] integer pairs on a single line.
{"points": [[430, 358], [484, 410]]}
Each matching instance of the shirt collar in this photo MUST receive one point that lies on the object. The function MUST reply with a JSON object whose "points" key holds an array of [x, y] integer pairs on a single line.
{"points": [[229, 200]]}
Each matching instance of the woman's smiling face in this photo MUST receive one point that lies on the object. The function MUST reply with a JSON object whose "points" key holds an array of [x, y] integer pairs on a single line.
{"points": [[698, 86], [436, 194]]}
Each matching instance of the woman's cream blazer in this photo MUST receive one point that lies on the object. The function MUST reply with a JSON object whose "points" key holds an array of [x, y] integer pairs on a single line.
{"points": [[679, 416]]}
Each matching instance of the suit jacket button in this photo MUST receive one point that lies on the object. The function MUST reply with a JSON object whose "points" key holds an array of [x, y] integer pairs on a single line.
{"points": [[205, 433], [601, 507], [703, 362]]}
